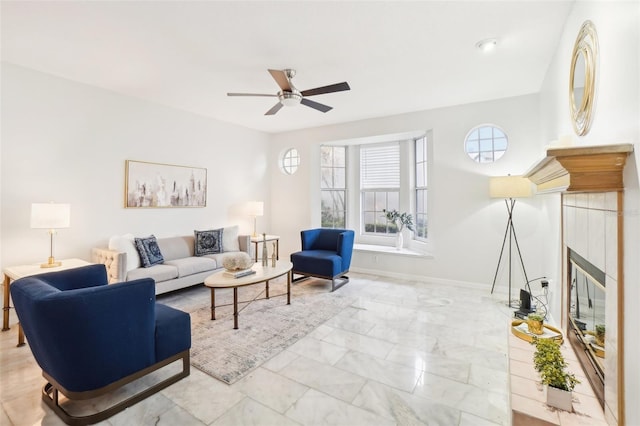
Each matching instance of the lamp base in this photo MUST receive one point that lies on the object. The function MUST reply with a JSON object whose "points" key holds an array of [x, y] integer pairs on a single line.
{"points": [[51, 263]]}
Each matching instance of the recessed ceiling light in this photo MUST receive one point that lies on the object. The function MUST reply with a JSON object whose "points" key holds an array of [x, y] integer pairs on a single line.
{"points": [[487, 45]]}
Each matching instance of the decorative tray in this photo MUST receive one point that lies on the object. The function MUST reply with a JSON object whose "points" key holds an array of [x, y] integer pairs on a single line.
{"points": [[520, 329]]}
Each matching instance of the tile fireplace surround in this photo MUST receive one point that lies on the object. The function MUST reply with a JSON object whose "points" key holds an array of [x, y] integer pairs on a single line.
{"points": [[590, 179]]}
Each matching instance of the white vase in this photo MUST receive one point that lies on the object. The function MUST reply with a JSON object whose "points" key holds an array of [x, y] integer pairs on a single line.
{"points": [[399, 241], [558, 398]]}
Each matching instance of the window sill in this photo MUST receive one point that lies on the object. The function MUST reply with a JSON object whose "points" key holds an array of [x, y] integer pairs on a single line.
{"points": [[372, 248]]}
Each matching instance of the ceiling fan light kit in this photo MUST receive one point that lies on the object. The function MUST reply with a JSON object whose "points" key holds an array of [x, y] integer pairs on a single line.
{"points": [[290, 96]]}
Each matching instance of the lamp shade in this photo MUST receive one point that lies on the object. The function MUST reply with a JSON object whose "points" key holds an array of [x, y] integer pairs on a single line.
{"points": [[50, 215], [256, 208], [509, 187]]}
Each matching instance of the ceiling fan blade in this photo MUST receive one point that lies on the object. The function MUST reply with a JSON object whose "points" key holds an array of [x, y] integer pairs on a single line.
{"points": [[316, 105], [274, 109], [251, 94], [281, 78], [338, 87]]}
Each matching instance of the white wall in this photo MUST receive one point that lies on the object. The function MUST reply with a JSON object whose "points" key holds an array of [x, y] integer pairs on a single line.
{"points": [[68, 142], [616, 120], [466, 225]]}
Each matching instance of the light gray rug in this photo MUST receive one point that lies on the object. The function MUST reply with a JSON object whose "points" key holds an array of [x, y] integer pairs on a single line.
{"points": [[266, 327]]}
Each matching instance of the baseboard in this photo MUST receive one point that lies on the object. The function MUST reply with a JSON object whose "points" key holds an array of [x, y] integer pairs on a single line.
{"points": [[422, 278]]}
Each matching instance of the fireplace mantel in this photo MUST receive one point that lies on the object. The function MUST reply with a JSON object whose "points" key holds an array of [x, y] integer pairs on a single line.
{"points": [[581, 169]]}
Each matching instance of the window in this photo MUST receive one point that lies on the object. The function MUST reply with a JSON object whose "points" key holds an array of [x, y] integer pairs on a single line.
{"points": [[333, 186], [485, 144], [290, 161], [421, 189], [360, 178], [379, 186]]}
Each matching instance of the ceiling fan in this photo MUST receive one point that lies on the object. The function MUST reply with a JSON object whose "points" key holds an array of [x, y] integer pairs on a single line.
{"points": [[290, 96]]}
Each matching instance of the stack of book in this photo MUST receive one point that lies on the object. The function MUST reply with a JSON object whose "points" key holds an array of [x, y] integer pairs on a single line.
{"points": [[239, 273]]}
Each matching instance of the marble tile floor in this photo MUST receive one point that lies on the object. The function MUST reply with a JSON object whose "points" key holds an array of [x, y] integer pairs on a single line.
{"points": [[404, 353]]}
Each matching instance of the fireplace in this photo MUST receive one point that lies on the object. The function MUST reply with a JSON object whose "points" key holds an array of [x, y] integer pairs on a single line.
{"points": [[590, 180], [586, 318]]}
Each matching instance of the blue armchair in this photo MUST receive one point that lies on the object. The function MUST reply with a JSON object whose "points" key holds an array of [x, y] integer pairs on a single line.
{"points": [[326, 253], [91, 338]]}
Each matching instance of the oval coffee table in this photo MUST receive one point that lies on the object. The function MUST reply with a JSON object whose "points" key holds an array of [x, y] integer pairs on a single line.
{"points": [[263, 274]]}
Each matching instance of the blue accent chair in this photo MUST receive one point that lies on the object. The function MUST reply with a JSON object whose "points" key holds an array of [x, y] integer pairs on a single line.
{"points": [[326, 253], [90, 338]]}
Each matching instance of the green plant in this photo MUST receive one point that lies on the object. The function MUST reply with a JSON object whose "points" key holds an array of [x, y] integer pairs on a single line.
{"points": [[535, 317], [549, 362], [405, 219], [600, 329]]}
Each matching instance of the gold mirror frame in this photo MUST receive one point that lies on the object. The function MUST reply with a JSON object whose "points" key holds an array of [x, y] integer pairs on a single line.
{"points": [[586, 48]]}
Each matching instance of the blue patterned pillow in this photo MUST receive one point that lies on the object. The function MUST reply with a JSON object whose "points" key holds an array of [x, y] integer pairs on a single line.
{"points": [[208, 242], [149, 251]]}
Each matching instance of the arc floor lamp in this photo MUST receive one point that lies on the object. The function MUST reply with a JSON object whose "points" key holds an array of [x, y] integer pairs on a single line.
{"points": [[509, 187]]}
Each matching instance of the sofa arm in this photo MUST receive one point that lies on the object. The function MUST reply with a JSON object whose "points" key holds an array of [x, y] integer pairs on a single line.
{"points": [[245, 244], [115, 262]]}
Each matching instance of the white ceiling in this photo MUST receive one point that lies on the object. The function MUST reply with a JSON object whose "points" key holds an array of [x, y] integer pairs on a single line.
{"points": [[397, 56]]}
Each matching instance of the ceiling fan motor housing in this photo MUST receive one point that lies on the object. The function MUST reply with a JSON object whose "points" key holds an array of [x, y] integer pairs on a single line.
{"points": [[289, 98]]}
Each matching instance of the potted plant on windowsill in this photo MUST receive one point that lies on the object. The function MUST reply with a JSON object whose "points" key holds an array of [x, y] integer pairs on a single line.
{"points": [[400, 220], [535, 323], [558, 382]]}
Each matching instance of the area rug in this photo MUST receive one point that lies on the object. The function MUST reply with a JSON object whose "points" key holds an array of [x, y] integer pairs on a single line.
{"points": [[266, 327]]}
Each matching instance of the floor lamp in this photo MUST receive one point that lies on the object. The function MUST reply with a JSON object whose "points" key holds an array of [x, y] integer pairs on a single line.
{"points": [[509, 188]]}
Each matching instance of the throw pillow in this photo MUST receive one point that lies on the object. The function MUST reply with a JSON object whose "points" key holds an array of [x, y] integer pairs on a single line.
{"points": [[149, 251], [208, 242], [230, 239], [125, 244]]}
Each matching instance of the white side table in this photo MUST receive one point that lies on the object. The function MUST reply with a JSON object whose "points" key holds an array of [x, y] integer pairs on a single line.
{"points": [[12, 273], [258, 239]]}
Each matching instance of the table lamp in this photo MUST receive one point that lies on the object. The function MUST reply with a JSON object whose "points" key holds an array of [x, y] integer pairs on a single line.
{"points": [[256, 208], [50, 216]]}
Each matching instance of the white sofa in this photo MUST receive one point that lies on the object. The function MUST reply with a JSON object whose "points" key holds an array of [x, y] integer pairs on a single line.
{"points": [[181, 268]]}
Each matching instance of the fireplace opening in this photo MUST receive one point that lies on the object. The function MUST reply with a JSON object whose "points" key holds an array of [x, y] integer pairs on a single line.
{"points": [[586, 319]]}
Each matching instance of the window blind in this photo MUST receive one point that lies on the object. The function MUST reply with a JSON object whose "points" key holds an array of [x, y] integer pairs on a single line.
{"points": [[380, 166]]}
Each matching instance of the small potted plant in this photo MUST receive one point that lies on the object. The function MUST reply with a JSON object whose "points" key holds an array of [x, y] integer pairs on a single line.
{"points": [[600, 334], [400, 220], [558, 382], [535, 323]]}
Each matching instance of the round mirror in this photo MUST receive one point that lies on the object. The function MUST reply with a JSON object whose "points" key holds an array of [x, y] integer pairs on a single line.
{"points": [[582, 78]]}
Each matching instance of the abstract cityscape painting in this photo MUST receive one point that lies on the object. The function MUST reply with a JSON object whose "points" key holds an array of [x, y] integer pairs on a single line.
{"points": [[155, 185]]}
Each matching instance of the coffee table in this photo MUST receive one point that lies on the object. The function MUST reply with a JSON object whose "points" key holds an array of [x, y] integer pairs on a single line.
{"points": [[264, 274]]}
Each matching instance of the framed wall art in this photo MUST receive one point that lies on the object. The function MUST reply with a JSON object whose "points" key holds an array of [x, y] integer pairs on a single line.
{"points": [[155, 185]]}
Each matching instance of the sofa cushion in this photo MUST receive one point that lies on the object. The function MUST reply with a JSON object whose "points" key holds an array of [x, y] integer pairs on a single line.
{"points": [[157, 272], [192, 265], [176, 247], [149, 251], [230, 240], [126, 244], [208, 242]]}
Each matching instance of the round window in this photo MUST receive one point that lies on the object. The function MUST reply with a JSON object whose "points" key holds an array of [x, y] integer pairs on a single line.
{"points": [[485, 143], [290, 161]]}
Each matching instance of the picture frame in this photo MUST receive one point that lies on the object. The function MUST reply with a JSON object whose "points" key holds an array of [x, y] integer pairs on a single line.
{"points": [[157, 185]]}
